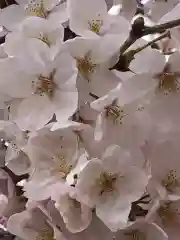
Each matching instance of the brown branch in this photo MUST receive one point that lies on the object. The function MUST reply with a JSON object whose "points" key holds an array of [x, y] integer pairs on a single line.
{"points": [[160, 28], [126, 58], [165, 35]]}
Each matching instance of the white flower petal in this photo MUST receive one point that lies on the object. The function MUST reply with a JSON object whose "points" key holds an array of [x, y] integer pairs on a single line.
{"points": [[80, 19], [34, 113], [153, 62], [76, 216], [114, 214], [11, 16], [86, 185], [133, 184], [106, 47], [135, 87], [171, 15], [65, 104]]}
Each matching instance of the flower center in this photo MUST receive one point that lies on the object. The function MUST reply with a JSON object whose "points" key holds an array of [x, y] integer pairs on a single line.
{"points": [[44, 85], [106, 182], [85, 66], [95, 24], [168, 83], [45, 235], [36, 9], [135, 235], [171, 181], [168, 214], [14, 147], [61, 165], [44, 38], [115, 113]]}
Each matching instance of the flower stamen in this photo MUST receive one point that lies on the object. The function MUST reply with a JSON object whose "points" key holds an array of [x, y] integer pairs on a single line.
{"points": [[106, 182], [115, 113], [36, 9], [95, 25], [85, 66], [171, 181], [44, 85], [61, 165], [45, 235], [44, 38], [168, 83], [135, 235]]}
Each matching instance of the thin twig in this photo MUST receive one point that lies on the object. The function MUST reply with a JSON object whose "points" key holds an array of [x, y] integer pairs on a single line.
{"points": [[126, 58], [165, 35], [160, 28]]}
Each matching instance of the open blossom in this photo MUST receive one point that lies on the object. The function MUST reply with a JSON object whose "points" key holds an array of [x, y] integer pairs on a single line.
{"points": [[166, 178], [33, 225], [165, 72], [93, 57], [53, 156], [13, 15], [165, 95], [110, 185], [31, 30], [89, 120], [91, 19], [120, 108], [46, 87]]}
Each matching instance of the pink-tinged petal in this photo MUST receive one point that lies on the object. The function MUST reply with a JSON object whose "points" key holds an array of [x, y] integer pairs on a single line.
{"points": [[65, 103], [87, 191], [34, 113], [103, 81], [80, 21], [114, 214], [171, 15], [153, 62], [106, 47], [132, 184], [135, 87]]}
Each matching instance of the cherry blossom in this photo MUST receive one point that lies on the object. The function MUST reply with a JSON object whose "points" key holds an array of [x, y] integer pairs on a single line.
{"points": [[90, 19], [30, 30], [109, 185], [92, 58], [89, 119], [46, 87], [13, 15], [53, 156], [120, 105], [32, 224]]}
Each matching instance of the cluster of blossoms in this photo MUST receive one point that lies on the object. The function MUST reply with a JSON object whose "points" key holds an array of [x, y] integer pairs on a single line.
{"points": [[90, 125]]}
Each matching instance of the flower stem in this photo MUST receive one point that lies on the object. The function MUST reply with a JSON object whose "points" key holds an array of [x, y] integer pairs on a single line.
{"points": [[160, 28], [165, 35]]}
